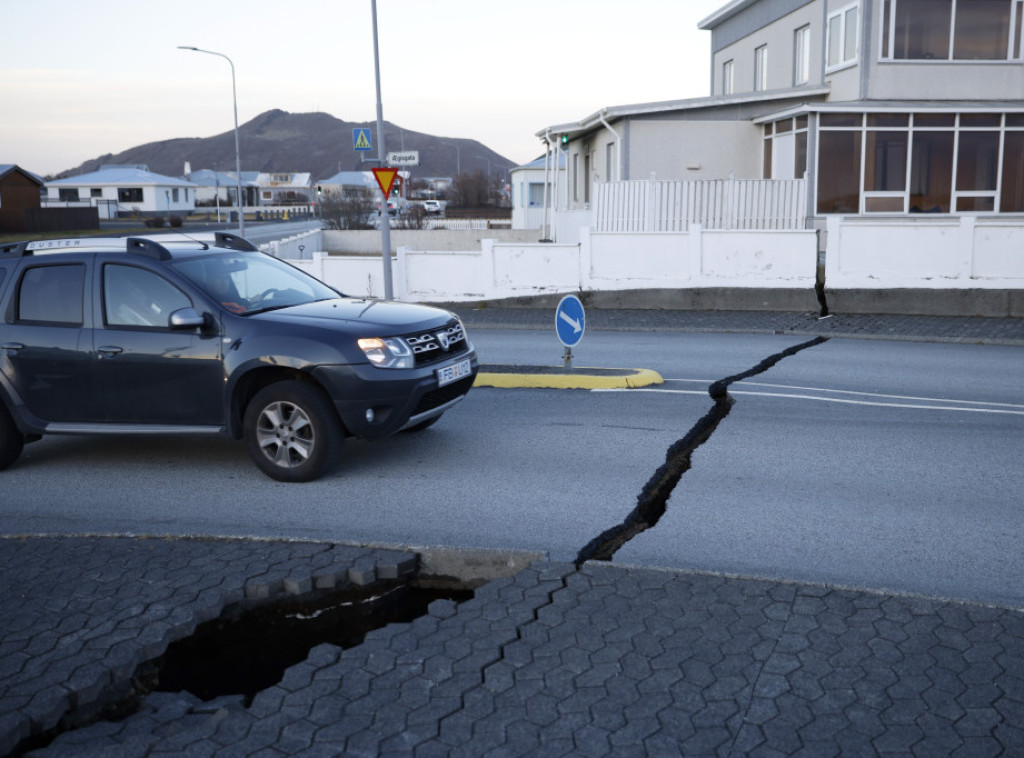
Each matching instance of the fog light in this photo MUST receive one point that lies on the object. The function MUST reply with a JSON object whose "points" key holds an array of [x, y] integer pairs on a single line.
{"points": [[369, 415]]}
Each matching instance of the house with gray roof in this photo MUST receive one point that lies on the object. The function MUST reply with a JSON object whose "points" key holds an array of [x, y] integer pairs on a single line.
{"points": [[119, 190]]}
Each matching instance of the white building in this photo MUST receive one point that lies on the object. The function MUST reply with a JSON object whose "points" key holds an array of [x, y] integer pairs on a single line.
{"points": [[121, 190]]}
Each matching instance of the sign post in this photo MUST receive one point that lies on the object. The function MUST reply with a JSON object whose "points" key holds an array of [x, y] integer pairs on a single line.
{"points": [[570, 323]]}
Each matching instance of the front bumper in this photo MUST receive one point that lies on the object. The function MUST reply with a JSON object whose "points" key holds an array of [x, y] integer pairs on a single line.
{"points": [[374, 403]]}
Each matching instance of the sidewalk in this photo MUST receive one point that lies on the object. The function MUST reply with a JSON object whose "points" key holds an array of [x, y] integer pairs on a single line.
{"points": [[556, 660]]}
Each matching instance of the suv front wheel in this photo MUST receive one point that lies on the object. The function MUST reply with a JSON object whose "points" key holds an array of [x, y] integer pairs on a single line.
{"points": [[292, 431]]}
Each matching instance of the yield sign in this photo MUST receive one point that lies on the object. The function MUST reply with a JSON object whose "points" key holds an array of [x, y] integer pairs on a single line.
{"points": [[385, 179]]}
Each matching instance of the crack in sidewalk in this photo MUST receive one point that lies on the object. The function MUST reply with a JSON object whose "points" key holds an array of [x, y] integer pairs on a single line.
{"points": [[653, 498]]}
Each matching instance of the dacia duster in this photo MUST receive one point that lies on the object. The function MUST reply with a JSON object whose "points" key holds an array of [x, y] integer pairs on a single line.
{"points": [[171, 334]]}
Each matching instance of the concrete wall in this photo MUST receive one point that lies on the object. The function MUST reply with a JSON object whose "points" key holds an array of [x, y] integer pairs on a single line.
{"points": [[600, 261], [368, 241], [699, 149], [964, 266]]}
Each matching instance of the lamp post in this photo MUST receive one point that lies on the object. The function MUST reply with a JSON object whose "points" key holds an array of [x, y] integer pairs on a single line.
{"points": [[238, 155]]}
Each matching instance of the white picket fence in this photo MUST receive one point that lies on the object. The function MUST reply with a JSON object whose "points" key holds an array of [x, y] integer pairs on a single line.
{"points": [[672, 206]]}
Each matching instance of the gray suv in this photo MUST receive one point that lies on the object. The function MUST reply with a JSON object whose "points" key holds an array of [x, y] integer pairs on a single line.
{"points": [[207, 335]]}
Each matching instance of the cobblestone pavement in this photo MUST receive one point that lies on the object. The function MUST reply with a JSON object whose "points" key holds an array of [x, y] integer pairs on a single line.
{"points": [[556, 660], [553, 661]]}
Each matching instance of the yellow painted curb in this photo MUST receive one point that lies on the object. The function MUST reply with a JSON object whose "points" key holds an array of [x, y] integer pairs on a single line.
{"points": [[571, 379]]}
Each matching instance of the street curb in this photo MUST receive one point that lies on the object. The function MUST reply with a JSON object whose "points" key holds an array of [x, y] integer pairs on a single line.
{"points": [[556, 377]]}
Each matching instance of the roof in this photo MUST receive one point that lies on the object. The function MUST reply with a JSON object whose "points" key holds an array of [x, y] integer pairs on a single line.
{"points": [[725, 12], [540, 163], [596, 120], [352, 179], [7, 168], [209, 178], [121, 176]]}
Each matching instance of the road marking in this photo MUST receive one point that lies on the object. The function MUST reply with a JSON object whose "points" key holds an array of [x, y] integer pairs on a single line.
{"points": [[880, 400]]}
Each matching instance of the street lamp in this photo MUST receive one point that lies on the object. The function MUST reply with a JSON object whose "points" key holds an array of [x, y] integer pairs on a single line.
{"points": [[238, 155]]}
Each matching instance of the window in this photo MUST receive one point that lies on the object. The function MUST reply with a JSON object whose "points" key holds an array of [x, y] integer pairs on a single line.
{"points": [[136, 297], [174, 194], [951, 29], [95, 192], [761, 68], [575, 177], [68, 195], [921, 163], [52, 294], [129, 194], [536, 190], [802, 55], [842, 37], [728, 78], [609, 162], [839, 172]]}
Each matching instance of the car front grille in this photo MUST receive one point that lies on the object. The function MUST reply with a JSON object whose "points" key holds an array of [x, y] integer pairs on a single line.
{"points": [[443, 395], [438, 344]]}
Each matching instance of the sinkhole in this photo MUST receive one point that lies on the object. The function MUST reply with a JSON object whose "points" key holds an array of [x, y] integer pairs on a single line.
{"points": [[248, 649]]}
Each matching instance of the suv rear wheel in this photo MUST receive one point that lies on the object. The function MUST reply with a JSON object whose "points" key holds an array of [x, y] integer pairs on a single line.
{"points": [[292, 431], [11, 439]]}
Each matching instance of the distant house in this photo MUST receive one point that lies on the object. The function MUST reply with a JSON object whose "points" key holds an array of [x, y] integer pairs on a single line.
{"points": [[219, 188], [118, 190], [528, 198], [284, 188], [349, 184], [19, 195]]}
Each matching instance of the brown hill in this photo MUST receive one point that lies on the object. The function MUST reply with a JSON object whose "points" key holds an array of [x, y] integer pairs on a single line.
{"points": [[298, 142]]}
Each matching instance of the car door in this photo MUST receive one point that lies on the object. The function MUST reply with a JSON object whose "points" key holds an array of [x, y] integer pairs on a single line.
{"points": [[149, 372], [46, 352]]}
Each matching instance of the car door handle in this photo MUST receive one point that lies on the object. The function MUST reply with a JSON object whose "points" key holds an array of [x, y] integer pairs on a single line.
{"points": [[12, 346], [109, 351]]}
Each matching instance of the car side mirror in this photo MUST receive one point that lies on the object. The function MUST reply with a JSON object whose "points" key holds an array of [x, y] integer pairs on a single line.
{"points": [[187, 318]]}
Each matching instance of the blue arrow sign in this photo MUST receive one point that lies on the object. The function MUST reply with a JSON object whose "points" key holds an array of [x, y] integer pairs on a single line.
{"points": [[570, 321]]}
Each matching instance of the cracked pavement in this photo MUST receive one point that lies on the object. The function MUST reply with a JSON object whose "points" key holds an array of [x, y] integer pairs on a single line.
{"points": [[583, 658]]}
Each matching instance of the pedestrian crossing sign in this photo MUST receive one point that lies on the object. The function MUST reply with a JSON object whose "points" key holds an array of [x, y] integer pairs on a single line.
{"points": [[361, 139]]}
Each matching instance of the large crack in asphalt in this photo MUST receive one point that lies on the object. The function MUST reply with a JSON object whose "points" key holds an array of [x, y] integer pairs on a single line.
{"points": [[653, 498]]}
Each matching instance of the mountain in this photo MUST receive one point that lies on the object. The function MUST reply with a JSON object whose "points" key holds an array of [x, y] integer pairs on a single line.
{"points": [[277, 141]]}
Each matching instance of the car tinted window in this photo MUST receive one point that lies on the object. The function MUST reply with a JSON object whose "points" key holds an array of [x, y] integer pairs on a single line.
{"points": [[52, 294], [137, 297]]}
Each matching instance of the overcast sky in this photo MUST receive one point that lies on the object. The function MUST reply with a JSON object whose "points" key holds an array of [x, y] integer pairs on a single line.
{"points": [[82, 79]]}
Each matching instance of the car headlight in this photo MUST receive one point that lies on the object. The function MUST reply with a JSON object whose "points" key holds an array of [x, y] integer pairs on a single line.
{"points": [[389, 352]]}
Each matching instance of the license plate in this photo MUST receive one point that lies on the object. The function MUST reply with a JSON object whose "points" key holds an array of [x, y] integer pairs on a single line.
{"points": [[453, 373]]}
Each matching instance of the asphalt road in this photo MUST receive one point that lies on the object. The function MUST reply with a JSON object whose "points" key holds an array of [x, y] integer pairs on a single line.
{"points": [[862, 463]]}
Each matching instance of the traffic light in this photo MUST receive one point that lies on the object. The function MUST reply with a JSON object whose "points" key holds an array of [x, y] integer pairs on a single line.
{"points": [[565, 139], [319, 191]]}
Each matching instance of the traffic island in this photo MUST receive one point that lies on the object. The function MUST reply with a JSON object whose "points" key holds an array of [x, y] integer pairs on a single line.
{"points": [[560, 377]]}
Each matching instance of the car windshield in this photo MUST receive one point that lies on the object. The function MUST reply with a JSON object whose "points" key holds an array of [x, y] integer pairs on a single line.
{"points": [[252, 282]]}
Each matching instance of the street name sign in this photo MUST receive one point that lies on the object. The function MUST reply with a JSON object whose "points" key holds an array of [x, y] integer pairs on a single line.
{"points": [[405, 158]]}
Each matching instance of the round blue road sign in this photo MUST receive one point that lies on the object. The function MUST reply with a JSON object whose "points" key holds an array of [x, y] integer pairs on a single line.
{"points": [[570, 321]]}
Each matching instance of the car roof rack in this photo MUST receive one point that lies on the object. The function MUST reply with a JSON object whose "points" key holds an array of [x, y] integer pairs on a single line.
{"points": [[140, 245]]}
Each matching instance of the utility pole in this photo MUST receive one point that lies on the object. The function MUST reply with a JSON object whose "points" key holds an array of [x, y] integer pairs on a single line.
{"points": [[385, 216]]}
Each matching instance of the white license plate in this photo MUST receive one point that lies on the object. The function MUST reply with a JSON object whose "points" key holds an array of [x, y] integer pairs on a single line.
{"points": [[453, 373]]}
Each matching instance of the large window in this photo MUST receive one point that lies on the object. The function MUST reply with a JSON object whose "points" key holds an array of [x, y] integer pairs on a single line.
{"points": [[842, 33], [129, 194], [921, 163], [945, 30]]}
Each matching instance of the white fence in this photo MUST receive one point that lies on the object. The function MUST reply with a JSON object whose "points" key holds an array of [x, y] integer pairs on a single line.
{"points": [[671, 206], [924, 253], [696, 258], [301, 247]]}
